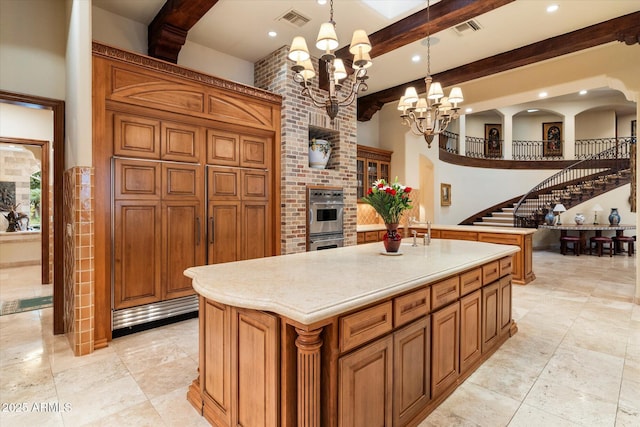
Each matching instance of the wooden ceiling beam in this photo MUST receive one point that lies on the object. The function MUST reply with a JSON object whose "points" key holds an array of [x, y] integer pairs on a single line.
{"points": [[443, 15], [624, 29], [168, 30]]}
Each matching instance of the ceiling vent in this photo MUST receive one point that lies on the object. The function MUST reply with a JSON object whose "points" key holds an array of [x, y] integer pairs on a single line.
{"points": [[294, 18], [467, 27]]}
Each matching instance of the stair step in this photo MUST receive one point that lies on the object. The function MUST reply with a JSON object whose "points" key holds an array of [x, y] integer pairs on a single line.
{"points": [[493, 224]]}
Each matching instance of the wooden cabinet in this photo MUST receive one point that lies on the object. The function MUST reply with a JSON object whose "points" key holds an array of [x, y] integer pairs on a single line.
{"points": [[371, 164], [496, 312], [239, 221], [365, 385], [445, 342], [233, 149], [242, 344], [470, 330], [158, 226]]}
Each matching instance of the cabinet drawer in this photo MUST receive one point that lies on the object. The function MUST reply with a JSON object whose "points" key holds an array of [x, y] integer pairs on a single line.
{"points": [[361, 238], [411, 306], [500, 238], [458, 235], [371, 236], [490, 272], [506, 266], [444, 292], [470, 281], [365, 325]]}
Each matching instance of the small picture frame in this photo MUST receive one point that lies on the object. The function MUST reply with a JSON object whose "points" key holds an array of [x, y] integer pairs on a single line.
{"points": [[552, 139], [493, 140], [445, 194]]}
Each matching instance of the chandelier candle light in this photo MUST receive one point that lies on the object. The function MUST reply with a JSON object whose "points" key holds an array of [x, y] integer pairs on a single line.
{"points": [[327, 41], [431, 116]]}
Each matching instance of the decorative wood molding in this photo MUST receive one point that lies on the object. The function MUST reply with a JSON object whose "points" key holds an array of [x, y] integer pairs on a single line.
{"points": [[153, 64], [372, 153], [625, 28], [309, 344]]}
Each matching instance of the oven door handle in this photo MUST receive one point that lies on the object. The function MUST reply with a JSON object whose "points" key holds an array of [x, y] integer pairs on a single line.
{"points": [[310, 216], [333, 239]]}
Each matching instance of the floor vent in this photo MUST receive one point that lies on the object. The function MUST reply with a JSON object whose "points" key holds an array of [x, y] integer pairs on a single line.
{"points": [[467, 27], [294, 18]]}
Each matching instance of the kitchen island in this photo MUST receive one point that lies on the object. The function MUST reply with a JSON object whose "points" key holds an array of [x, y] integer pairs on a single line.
{"points": [[347, 336]]}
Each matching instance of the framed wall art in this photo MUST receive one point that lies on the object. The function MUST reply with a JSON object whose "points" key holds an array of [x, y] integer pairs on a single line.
{"points": [[445, 194], [552, 139], [493, 140]]}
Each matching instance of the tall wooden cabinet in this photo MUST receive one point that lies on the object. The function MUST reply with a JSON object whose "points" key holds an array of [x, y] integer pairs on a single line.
{"points": [[184, 173], [372, 164]]}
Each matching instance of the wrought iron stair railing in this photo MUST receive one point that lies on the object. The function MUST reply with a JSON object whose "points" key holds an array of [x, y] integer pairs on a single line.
{"points": [[573, 184]]}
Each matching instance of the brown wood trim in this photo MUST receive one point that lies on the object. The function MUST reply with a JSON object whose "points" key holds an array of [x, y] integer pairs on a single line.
{"points": [[58, 109], [374, 153], [117, 54], [168, 31], [623, 27]]}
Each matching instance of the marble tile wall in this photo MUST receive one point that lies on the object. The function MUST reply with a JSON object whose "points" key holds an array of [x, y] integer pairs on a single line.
{"points": [[79, 259]]}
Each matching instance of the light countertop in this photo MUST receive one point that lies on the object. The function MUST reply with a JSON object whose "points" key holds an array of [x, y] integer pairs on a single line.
{"points": [[473, 228], [313, 286]]}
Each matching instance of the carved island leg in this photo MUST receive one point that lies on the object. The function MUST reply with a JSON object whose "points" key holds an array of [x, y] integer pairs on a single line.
{"points": [[309, 344]]}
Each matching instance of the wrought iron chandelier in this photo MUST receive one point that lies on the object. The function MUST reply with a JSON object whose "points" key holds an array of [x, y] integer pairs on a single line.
{"points": [[431, 116], [327, 41]]}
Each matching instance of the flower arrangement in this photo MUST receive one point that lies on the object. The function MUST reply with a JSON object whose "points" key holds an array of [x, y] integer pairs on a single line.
{"points": [[389, 200], [321, 145]]}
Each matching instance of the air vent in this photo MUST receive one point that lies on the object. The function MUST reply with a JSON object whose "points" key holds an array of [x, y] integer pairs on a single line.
{"points": [[294, 18], [467, 27]]}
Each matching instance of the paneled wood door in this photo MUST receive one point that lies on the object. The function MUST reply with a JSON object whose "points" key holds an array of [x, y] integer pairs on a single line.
{"points": [[445, 360], [366, 380], [490, 315], [470, 330]]}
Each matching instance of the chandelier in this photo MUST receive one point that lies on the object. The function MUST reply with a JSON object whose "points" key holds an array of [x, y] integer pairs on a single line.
{"points": [[431, 116], [327, 42]]}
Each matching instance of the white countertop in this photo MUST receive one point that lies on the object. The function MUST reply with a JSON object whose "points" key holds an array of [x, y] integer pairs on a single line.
{"points": [[475, 228], [310, 287]]}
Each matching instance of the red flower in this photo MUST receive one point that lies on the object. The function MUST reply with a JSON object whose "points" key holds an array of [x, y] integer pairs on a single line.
{"points": [[407, 189], [380, 185], [369, 191]]}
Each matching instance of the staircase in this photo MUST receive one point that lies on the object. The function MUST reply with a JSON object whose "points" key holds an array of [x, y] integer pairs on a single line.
{"points": [[573, 185]]}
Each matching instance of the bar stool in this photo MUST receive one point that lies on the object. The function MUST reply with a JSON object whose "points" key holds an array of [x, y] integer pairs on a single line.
{"points": [[565, 240], [621, 240], [599, 242]]}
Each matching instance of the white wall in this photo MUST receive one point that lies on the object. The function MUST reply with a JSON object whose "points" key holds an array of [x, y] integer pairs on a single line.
{"points": [[32, 47], [596, 124], [23, 122], [118, 31], [368, 133]]}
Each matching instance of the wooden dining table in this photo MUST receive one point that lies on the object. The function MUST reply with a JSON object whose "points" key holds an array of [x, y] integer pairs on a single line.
{"points": [[584, 228]]}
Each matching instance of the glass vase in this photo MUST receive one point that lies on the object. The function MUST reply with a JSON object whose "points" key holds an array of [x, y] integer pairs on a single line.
{"points": [[392, 238]]}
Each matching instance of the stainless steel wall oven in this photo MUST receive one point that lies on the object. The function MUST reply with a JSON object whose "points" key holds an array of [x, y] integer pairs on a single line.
{"points": [[325, 222]]}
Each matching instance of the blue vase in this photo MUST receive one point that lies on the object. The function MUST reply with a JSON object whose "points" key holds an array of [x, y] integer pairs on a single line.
{"points": [[614, 217], [549, 217]]}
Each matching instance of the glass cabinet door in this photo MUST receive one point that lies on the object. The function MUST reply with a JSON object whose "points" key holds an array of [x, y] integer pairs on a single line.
{"points": [[360, 178]]}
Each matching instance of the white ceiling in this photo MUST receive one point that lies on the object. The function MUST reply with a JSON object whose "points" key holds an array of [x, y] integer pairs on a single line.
{"points": [[239, 28]]}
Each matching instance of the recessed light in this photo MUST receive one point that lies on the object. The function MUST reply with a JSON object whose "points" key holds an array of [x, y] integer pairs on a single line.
{"points": [[415, 58], [583, 92], [542, 95], [552, 8], [468, 110], [322, 2], [532, 110], [272, 33]]}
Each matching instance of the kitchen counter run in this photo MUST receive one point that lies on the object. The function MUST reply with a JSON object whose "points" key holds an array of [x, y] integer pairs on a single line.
{"points": [[312, 286]]}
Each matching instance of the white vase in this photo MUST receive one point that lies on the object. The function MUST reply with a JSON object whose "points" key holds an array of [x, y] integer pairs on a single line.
{"points": [[579, 219], [319, 152]]}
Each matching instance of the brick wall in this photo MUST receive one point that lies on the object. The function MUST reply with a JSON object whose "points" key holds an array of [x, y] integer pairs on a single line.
{"points": [[274, 74]]}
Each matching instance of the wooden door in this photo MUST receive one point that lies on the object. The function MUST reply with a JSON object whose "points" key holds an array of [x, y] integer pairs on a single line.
{"points": [[411, 370], [183, 245], [505, 305], [490, 316], [255, 232], [365, 386], [470, 330], [136, 136], [223, 234], [137, 243], [445, 361], [255, 152], [255, 362], [180, 142], [223, 148], [223, 183]]}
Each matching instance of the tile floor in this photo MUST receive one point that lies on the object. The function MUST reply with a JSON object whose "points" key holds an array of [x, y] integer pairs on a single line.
{"points": [[575, 361]]}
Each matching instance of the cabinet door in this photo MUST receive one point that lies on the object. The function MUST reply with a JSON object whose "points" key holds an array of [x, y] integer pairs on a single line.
{"points": [[223, 148], [470, 330], [255, 185], [365, 379], [445, 360], [136, 136], [136, 179], [361, 185], [490, 315], [411, 369], [383, 171], [183, 246], [223, 183], [255, 152], [180, 142], [181, 182], [255, 366], [137, 244], [256, 230], [223, 234], [505, 305], [372, 172]]}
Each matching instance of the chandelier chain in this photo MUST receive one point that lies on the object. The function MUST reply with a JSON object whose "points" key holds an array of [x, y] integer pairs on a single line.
{"points": [[428, 41]]}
